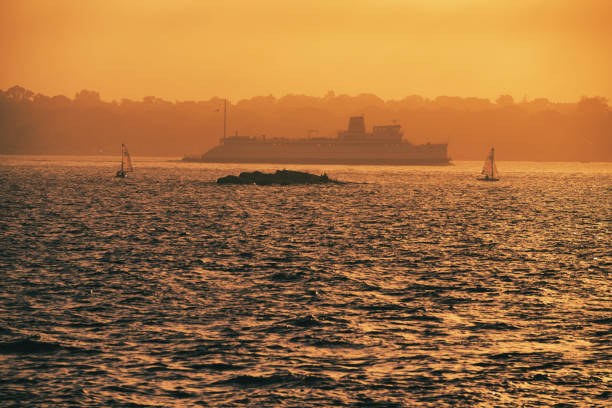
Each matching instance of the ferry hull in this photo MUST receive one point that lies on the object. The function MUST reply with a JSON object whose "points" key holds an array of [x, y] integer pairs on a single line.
{"points": [[403, 154], [355, 162]]}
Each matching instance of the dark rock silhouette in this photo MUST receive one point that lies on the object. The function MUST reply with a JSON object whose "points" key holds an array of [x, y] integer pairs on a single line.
{"points": [[281, 177]]}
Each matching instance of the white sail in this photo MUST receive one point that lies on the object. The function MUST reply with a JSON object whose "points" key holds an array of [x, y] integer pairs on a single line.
{"points": [[490, 169], [127, 161]]}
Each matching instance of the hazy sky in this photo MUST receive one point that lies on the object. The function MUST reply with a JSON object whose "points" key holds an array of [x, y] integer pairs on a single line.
{"points": [[197, 49]]}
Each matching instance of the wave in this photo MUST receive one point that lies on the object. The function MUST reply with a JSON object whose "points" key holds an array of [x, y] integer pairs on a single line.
{"points": [[217, 366], [31, 346], [492, 326]]}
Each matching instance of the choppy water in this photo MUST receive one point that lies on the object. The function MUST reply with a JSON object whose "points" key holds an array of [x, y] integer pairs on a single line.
{"points": [[421, 287]]}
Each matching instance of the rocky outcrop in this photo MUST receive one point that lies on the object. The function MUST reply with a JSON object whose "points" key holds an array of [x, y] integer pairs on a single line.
{"points": [[281, 177]]}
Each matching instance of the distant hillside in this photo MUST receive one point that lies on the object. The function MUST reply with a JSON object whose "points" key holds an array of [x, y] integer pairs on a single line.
{"points": [[538, 130]]}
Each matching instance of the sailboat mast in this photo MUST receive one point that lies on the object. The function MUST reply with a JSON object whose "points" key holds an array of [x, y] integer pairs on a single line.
{"points": [[492, 161], [122, 149]]}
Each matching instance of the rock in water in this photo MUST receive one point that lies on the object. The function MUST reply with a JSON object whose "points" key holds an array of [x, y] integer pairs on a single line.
{"points": [[281, 177]]}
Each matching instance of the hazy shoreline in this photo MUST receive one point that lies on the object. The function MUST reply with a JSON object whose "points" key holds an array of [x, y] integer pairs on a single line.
{"points": [[536, 130]]}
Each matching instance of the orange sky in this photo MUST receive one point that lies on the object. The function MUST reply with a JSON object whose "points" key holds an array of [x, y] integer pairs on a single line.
{"points": [[197, 49]]}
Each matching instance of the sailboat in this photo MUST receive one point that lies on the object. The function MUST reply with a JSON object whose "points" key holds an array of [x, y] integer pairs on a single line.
{"points": [[126, 163], [489, 170]]}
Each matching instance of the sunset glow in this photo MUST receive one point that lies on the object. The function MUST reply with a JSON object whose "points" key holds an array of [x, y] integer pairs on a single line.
{"points": [[192, 50], [316, 203]]}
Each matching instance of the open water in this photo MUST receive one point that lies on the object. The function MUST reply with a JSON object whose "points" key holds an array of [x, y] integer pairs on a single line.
{"points": [[414, 286]]}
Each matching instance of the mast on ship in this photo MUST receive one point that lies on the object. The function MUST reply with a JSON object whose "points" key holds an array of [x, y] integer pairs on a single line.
{"points": [[224, 117]]}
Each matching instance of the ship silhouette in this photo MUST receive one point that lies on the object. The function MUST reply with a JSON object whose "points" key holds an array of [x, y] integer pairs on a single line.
{"points": [[383, 146]]}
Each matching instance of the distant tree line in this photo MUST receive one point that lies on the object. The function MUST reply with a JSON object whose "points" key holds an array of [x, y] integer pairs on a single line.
{"points": [[538, 129]]}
